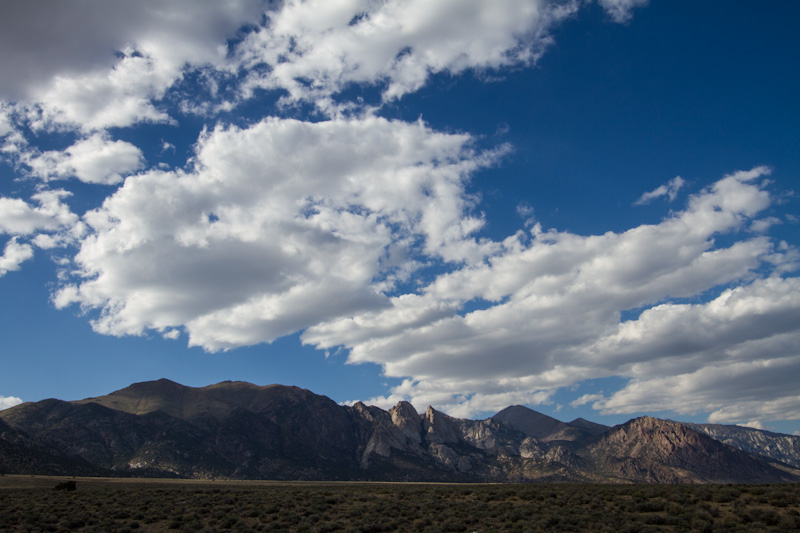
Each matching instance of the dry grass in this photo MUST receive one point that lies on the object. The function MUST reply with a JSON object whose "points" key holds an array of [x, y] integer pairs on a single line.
{"points": [[31, 504]]}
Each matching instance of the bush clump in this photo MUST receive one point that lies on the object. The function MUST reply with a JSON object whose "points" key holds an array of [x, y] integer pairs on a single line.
{"points": [[67, 485]]}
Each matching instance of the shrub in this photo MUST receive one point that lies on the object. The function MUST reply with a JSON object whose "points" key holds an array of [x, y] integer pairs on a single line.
{"points": [[67, 485]]}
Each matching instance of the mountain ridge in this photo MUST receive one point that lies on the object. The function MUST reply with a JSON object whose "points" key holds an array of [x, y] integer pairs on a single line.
{"points": [[778, 446], [240, 430], [184, 402]]}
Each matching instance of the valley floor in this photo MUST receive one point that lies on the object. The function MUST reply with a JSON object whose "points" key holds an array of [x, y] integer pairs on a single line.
{"points": [[29, 503]]}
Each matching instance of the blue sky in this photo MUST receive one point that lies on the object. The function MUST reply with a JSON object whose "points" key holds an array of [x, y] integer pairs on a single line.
{"points": [[589, 208]]}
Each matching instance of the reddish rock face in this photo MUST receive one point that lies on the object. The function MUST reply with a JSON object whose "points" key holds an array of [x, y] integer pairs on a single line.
{"points": [[663, 451]]}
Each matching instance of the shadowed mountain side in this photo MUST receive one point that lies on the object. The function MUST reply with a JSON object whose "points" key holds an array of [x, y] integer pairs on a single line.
{"points": [[539, 426], [589, 427], [17, 457], [243, 431], [150, 444]]}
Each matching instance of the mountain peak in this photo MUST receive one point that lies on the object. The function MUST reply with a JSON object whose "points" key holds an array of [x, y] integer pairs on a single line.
{"points": [[439, 427], [535, 424], [183, 402], [589, 427], [158, 384], [144, 397], [406, 418], [673, 452]]}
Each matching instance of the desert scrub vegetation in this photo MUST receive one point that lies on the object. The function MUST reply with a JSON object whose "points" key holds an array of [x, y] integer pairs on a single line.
{"points": [[137, 505]]}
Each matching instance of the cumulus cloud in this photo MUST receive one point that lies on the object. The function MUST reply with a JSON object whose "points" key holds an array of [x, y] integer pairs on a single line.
{"points": [[13, 256], [115, 67], [557, 301], [731, 391], [277, 227], [9, 401], [315, 49], [48, 224], [111, 69], [670, 190], [586, 398], [93, 64], [18, 217], [118, 97], [95, 159], [80, 37], [735, 356]]}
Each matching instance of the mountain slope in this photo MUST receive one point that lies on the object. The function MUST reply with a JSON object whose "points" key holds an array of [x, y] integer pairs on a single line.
{"points": [[589, 427], [152, 444], [243, 431], [537, 425], [189, 403], [663, 451], [16, 457], [783, 448]]}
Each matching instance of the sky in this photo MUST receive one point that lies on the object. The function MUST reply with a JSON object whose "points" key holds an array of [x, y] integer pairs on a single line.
{"points": [[586, 207]]}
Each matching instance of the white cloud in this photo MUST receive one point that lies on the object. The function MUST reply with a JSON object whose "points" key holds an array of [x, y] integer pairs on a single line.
{"points": [[13, 256], [61, 55], [763, 225], [557, 302], [47, 225], [621, 11], [315, 48], [9, 401], [113, 68], [587, 398], [757, 424], [171, 334], [5, 120], [51, 38], [278, 227], [17, 217], [735, 356], [765, 307], [670, 190], [763, 389], [526, 212], [118, 97], [96, 159]]}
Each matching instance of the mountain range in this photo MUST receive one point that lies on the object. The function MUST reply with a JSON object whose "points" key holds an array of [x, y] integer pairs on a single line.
{"points": [[237, 430]]}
